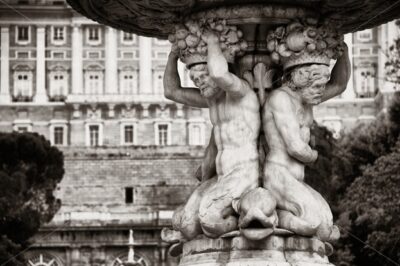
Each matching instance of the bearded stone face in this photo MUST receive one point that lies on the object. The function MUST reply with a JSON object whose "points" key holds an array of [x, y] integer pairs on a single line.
{"points": [[201, 78], [310, 82]]}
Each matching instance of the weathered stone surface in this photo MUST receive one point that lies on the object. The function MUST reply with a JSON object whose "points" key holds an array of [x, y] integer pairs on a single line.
{"points": [[239, 251], [156, 18]]}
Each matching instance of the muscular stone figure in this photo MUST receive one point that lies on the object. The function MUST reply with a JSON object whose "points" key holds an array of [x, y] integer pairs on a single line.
{"points": [[287, 117], [234, 113], [186, 218]]}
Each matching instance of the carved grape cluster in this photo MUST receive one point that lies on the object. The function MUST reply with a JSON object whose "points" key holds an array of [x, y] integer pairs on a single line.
{"points": [[187, 38], [306, 36]]}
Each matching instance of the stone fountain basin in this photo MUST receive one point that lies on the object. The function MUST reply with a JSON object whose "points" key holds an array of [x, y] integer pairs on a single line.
{"points": [[155, 18]]}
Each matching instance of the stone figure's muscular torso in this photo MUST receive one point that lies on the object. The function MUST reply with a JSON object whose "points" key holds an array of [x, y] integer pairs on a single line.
{"points": [[303, 116], [236, 124]]}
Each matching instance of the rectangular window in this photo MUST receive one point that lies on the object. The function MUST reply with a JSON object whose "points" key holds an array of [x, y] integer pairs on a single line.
{"points": [[94, 82], [58, 34], [129, 195], [94, 135], [22, 129], [58, 135], [128, 134], [128, 82], [58, 55], [196, 136], [23, 33], [365, 35], [22, 86], [93, 35], [128, 37], [162, 135]]}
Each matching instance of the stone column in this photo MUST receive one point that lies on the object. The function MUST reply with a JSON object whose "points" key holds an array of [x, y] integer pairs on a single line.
{"points": [[349, 92], [41, 94], [111, 61], [5, 66], [145, 75], [77, 70]]}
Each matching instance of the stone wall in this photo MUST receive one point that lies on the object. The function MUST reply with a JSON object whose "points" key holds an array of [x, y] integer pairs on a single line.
{"points": [[91, 228]]}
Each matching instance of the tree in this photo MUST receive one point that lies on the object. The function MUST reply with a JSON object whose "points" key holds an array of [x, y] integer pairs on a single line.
{"points": [[370, 212], [368, 201], [30, 169]]}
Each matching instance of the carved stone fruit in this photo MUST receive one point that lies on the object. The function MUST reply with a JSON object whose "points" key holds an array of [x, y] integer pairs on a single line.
{"points": [[171, 38], [321, 45], [275, 57], [271, 45], [219, 27], [311, 47], [243, 45], [294, 26], [296, 41], [182, 44], [311, 33], [192, 40], [181, 34], [283, 51], [232, 37]]}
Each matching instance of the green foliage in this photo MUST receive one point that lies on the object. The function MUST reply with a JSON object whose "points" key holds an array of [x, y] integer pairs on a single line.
{"points": [[29, 172]]}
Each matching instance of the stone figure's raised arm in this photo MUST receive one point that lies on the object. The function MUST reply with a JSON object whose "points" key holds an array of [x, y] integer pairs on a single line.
{"points": [[289, 128], [173, 89], [339, 77], [218, 68]]}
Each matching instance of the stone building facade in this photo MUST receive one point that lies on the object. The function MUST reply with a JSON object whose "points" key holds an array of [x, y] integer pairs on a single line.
{"points": [[130, 154]]}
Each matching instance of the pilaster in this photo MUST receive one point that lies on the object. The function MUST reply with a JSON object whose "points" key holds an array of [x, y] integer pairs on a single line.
{"points": [[111, 61], [41, 94], [5, 66], [77, 69], [145, 71]]}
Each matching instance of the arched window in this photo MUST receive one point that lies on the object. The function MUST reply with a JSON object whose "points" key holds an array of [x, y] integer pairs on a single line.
{"points": [[196, 134], [23, 83], [58, 85], [94, 77], [128, 81]]}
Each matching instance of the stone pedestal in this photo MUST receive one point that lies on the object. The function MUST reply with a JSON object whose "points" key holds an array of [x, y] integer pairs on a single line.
{"points": [[239, 251]]}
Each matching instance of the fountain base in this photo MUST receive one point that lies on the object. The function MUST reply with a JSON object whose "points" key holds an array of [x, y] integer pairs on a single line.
{"points": [[239, 251]]}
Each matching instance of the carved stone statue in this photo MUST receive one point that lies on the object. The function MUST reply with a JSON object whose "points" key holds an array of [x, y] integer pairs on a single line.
{"points": [[235, 132], [287, 117]]}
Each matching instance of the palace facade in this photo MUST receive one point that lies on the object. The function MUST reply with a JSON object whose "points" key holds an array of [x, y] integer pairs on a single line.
{"points": [[97, 94]]}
